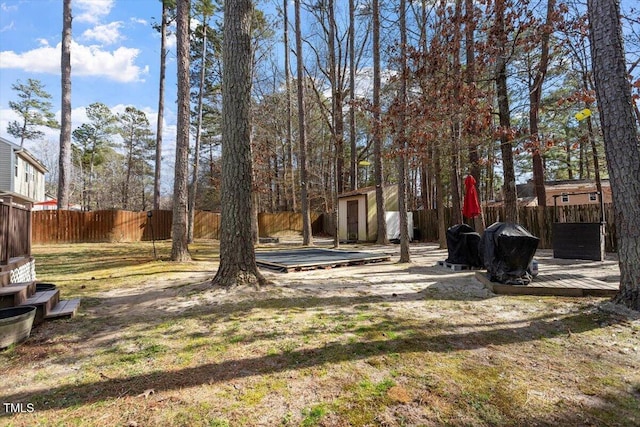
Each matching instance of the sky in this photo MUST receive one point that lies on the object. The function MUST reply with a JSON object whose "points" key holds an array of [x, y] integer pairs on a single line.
{"points": [[115, 58]]}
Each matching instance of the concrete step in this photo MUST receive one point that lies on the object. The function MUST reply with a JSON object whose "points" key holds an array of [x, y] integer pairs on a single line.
{"points": [[16, 294], [64, 309], [45, 302]]}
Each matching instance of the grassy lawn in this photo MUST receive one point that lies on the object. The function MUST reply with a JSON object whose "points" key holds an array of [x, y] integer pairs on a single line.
{"points": [[154, 345]]}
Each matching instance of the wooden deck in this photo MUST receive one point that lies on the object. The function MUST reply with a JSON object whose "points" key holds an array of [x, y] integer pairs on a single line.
{"points": [[554, 284], [314, 258]]}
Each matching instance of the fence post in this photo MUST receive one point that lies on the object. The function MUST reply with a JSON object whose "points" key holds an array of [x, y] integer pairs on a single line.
{"points": [[8, 200], [29, 229]]}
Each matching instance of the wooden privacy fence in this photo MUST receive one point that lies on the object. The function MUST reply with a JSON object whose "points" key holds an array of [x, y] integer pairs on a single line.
{"points": [[15, 231], [99, 226], [127, 226], [531, 218], [272, 223]]}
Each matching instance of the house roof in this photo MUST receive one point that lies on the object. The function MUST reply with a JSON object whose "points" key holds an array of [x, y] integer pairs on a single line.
{"points": [[528, 189], [361, 191], [26, 155]]}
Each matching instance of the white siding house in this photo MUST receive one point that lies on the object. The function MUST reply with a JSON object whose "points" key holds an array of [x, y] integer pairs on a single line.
{"points": [[21, 174]]}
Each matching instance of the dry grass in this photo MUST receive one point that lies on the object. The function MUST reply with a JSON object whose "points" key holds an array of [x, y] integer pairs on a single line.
{"points": [[387, 344]]}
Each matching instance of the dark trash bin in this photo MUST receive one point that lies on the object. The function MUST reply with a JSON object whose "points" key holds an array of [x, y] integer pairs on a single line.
{"points": [[462, 245], [507, 250]]}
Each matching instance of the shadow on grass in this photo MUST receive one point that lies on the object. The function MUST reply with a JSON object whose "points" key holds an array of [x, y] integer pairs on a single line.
{"points": [[211, 373]]}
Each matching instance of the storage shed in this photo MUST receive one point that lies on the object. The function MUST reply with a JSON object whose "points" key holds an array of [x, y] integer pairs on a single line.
{"points": [[357, 214]]}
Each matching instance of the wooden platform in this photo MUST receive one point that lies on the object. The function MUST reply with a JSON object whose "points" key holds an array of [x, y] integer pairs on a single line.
{"points": [[314, 258], [457, 267], [553, 284]]}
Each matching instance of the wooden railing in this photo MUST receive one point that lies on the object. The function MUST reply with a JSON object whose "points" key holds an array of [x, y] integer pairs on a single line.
{"points": [[15, 231]]}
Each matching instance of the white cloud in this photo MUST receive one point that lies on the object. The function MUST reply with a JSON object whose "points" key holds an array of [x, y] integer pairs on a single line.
{"points": [[7, 27], [91, 11], [139, 21], [106, 34], [6, 8], [171, 41], [118, 65]]}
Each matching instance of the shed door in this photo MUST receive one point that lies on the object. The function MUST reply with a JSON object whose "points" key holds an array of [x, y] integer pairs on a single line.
{"points": [[352, 220]]}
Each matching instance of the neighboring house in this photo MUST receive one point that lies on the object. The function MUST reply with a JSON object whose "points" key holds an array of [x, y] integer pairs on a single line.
{"points": [[566, 192], [51, 204], [357, 214], [21, 174]]}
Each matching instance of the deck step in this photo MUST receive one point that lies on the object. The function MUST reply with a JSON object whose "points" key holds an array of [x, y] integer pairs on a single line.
{"points": [[16, 294], [45, 301], [64, 308]]}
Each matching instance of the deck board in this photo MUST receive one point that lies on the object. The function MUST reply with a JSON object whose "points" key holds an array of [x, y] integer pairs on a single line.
{"points": [[64, 308], [553, 284], [303, 259]]}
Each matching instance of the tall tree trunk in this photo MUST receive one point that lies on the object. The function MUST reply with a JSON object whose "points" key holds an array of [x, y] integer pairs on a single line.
{"points": [[591, 135], [621, 140], [377, 137], [291, 203], [307, 237], [64, 172], [336, 119], [179, 246], [535, 97], [193, 190], [237, 252], [163, 67], [442, 226], [353, 163], [336, 99], [424, 184], [405, 254], [509, 188], [474, 128], [456, 128]]}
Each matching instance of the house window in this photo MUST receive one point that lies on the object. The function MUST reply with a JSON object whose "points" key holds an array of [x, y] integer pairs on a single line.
{"points": [[593, 197], [564, 198], [16, 166]]}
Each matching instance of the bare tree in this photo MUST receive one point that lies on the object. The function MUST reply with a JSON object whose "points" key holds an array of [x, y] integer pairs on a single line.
{"points": [[307, 237], [163, 67], [377, 137], [622, 144], [179, 247], [237, 253], [65, 115], [289, 138], [405, 255], [206, 9], [353, 162], [506, 148]]}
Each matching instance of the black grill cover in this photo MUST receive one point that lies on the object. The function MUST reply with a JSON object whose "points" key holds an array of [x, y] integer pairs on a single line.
{"points": [[507, 250], [462, 245]]}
